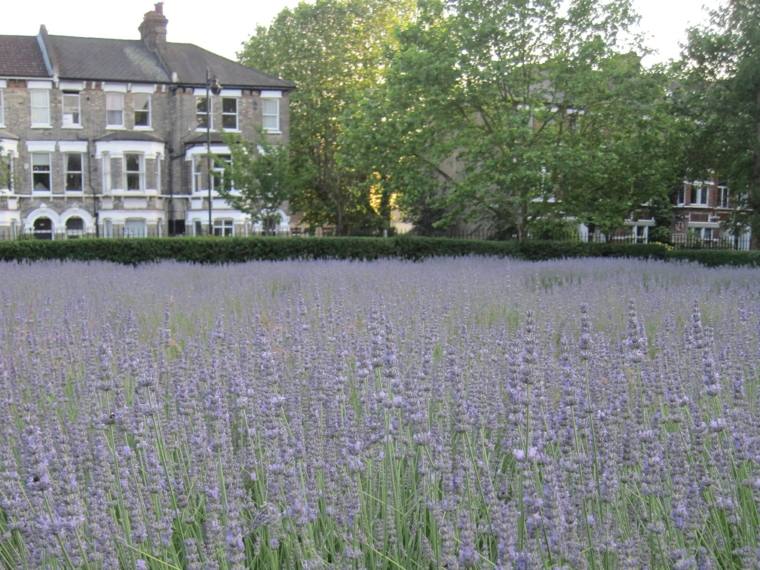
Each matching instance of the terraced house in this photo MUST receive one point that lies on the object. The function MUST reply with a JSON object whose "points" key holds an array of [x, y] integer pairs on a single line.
{"points": [[109, 137]]}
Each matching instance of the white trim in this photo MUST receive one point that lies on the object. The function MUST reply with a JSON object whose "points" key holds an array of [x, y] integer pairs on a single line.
{"points": [[191, 216], [9, 145], [649, 223], [231, 93], [72, 146], [71, 85], [40, 146], [42, 212], [143, 88], [76, 212], [201, 150], [271, 94], [713, 225], [117, 148], [120, 216], [39, 84], [3, 84], [201, 92], [283, 226], [114, 87]]}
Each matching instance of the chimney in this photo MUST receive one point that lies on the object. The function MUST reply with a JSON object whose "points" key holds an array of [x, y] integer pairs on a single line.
{"points": [[153, 28]]}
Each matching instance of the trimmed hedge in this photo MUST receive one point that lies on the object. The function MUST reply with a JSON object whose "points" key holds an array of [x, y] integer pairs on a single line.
{"points": [[235, 250]]}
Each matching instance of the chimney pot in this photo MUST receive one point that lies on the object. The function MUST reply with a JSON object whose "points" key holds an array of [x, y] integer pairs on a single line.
{"points": [[153, 28]]}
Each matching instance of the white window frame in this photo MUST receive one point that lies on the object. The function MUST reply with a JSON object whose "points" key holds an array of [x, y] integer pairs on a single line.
{"points": [[40, 107], [130, 234], [49, 171], [70, 124], [110, 97], [681, 195], [149, 126], [66, 172], [723, 197], [265, 115], [699, 189], [236, 114], [198, 165], [209, 112], [140, 171], [71, 234], [226, 227]]}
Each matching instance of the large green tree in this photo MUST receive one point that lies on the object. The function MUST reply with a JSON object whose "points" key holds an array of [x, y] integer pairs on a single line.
{"points": [[719, 94], [334, 50], [490, 107]]}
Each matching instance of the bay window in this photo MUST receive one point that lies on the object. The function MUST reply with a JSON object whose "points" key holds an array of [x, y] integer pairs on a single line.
{"points": [[134, 170]]}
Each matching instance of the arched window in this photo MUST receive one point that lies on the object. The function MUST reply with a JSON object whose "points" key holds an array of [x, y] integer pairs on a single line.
{"points": [[74, 227], [43, 228]]}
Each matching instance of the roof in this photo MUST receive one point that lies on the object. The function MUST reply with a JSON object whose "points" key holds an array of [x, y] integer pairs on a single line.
{"points": [[104, 59], [130, 136], [190, 63], [20, 56]]}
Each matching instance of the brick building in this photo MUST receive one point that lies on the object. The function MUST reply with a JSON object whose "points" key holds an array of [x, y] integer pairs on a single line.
{"points": [[108, 137]]}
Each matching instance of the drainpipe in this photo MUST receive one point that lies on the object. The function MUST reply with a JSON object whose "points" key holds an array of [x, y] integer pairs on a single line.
{"points": [[95, 211]]}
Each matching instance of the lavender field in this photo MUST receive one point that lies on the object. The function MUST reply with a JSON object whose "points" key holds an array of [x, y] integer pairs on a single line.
{"points": [[469, 413]]}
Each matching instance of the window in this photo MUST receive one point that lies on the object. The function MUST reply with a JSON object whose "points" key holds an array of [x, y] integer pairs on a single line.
{"points": [[40, 99], [142, 110], [72, 114], [202, 112], [218, 163], [270, 110], [198, 227], [41, 172], [74, 228], [107, 228], [699, 193], [723, 197], [43, 228], [134, 168], [73, 163], [2, 108], [218, 180], [114, 109], [223, 227], [230, 113], [681, 195], [135, 229], [640, 234]]}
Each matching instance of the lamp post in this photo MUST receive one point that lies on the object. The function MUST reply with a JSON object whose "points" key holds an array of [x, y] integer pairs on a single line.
{"points": [[212, 86]]}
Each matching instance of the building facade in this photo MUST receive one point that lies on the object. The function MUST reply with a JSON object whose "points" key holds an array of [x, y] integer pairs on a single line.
{"points": [[109, 137]]}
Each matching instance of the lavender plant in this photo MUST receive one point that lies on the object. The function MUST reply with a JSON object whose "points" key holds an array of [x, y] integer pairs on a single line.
{"points": [[467, 413]]}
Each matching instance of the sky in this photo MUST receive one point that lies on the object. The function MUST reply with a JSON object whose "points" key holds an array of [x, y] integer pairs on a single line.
{"points": [[222, 26]]}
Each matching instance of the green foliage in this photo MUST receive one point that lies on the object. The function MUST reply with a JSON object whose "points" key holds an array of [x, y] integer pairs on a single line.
{"points": [[489, 106], [718, 93], [262, 178], [236, 250], [334, 50]]}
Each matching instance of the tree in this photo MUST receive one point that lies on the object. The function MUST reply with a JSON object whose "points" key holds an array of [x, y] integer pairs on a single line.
{"points": [[719, 93], [334, 50], [492, 106], [261, 176]]}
